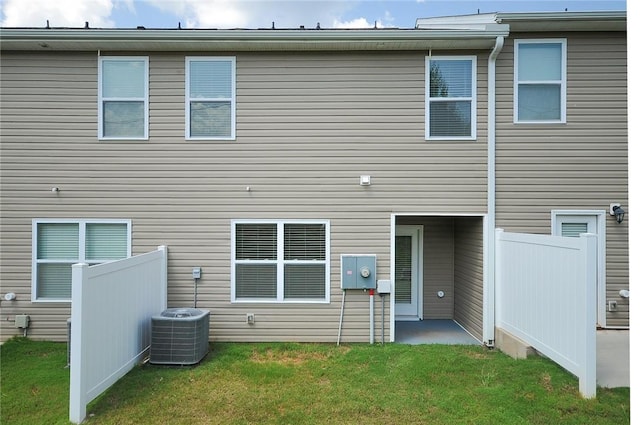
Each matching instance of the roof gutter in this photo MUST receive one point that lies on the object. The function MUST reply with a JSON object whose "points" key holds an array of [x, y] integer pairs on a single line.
{"points": [[240, 39], [490, 257], [560, 16]]}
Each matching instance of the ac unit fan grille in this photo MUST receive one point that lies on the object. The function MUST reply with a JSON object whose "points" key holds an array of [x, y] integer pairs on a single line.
{"points": [[179, 339]]}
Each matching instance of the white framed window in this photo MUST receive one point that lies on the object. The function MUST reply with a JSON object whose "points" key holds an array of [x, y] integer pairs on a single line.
{"points": [[123, 98], [58, 244], [210, 98], [450, 108], [540, 81], [280, 261]]}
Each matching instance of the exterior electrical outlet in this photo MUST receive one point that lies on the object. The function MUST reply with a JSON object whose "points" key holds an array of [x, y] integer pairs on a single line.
{"points": [[195, 272], [22, 321], [384, 286], [358, 271]]}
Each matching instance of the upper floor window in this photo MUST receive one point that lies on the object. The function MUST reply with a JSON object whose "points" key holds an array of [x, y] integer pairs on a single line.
{"points": [[451, 98], [280, 261], [123, 97], [540, 81], [210, 98], [58, 244]]}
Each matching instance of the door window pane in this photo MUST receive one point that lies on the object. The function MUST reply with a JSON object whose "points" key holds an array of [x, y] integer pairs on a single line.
{"points": [[574, 229], [403, 270]]}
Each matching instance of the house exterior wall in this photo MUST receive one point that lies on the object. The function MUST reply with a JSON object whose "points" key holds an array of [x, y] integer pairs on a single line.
{"points": [[580, 165], [438, 268], [468, 242], [308, 125]]}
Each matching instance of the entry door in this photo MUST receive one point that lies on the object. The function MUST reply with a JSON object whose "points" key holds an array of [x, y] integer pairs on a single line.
{"points": [[407, 272], [571, 225]]}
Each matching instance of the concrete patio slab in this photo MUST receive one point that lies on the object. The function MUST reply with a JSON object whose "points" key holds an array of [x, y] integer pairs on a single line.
{"points": [[612, 358]]}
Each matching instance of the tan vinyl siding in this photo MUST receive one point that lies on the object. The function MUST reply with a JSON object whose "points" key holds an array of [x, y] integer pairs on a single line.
{"points": [[308, 125], [580, 165], [438, 268], [468, 240]]}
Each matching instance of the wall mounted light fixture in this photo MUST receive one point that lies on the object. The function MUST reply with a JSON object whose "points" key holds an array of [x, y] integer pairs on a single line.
{"points": [[617, 211]]}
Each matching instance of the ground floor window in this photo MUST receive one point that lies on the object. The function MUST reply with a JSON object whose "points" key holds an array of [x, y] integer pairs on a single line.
{"points": [[58, 244], [280, 261]]}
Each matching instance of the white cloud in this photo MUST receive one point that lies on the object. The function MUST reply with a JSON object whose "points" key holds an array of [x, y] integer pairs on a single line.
{"points": [[208, 14], [260, 14], [193, 13], [60, 13], [356, 23]]}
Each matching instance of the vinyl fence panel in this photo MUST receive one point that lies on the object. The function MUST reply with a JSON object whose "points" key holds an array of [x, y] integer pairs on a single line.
{"points": [[111, 310], [546, 296]]}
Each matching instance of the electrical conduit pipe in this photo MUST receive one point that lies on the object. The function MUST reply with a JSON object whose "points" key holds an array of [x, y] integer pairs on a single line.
{"points": [[371, 320]]}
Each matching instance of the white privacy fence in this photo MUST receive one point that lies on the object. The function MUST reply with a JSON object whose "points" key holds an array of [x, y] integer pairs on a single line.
{"points": [[111, 311], [546, 296]]}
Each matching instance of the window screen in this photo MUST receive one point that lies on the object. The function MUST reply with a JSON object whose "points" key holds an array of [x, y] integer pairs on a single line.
{"points": [[59, 245]]}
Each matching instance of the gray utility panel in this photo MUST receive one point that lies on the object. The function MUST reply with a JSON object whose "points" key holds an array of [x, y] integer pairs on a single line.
{"points": [[358, 271]]}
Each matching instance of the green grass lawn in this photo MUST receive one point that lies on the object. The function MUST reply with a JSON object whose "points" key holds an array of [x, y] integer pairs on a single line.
{"points": [[283, 383]]}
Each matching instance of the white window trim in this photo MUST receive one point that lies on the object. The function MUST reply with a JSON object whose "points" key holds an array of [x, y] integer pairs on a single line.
{"points": [[280, 262], [473, 98], [187, 99], [563, 82], [101, 135], [82, 224]]}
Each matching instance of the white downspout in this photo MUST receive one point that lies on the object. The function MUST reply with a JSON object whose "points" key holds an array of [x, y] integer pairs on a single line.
{"points": [[490, 258]]}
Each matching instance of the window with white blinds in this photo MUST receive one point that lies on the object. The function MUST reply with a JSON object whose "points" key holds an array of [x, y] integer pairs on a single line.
{"points": [[123, 97], [451, 98], [280, 261], [57, 245], [540, 81], [210, 98]]}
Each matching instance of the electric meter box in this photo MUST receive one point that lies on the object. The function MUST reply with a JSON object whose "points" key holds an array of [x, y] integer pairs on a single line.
{"points": [[358, 271]]}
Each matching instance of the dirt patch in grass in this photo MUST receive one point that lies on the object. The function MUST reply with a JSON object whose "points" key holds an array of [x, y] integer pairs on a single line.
{"points": [[546, 382], [286, 357], [477, 355]]}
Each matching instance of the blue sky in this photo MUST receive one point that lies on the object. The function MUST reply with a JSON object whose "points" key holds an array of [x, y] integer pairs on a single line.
{"points": [[261, 13]]}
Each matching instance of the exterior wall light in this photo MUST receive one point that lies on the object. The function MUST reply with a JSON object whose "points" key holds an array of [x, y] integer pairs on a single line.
{"points": [[617, 211]]}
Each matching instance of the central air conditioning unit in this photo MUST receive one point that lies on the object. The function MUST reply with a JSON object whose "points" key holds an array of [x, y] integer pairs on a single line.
{"points": [[179, 336]]}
